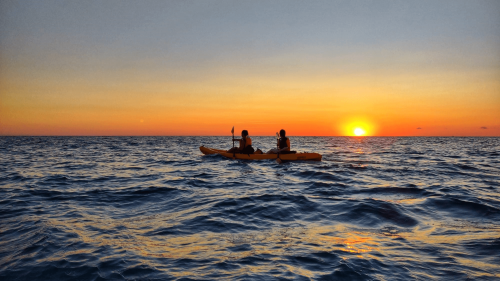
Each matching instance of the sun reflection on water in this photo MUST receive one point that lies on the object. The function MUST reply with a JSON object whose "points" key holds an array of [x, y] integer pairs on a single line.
{"points": [[142, 237], [137, 239]]}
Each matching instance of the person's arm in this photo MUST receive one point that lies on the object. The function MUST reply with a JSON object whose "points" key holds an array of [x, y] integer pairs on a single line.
{"points": [[240, 141]]}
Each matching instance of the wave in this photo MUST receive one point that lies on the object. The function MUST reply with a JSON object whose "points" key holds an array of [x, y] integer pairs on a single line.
{"points": [[125, 208]]}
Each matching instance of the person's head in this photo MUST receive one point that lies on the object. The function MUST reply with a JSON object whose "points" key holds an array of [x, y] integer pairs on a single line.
{"points": [[282, 133], [244, 133]]}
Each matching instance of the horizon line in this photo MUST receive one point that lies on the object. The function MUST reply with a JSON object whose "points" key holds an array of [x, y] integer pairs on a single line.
{"points": [[468, 136]]}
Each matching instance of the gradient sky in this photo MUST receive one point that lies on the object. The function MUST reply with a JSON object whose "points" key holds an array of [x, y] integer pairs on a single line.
{"points": [[394, 68]]}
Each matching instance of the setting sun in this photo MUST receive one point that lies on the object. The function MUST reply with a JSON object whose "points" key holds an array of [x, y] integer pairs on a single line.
{"points": [[359, 132]]}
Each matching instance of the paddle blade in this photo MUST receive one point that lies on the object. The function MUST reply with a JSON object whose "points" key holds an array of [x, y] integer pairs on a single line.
{"points": [[232, 130]]}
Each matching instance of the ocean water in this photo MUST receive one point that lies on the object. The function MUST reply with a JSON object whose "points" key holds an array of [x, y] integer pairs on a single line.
{"points": [[155, 208]]}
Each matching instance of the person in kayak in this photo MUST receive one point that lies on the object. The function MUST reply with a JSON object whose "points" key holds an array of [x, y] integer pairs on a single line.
{"points": [[245, 144], [283, 144]]}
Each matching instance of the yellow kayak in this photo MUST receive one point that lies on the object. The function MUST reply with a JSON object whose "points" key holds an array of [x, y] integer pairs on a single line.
{"points": [[283, 157]]}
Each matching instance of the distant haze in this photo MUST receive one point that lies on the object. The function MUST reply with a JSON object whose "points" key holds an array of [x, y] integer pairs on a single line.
{"points": [[201, 67]]}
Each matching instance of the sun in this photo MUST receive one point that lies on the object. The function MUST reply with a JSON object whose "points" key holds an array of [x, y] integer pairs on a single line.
{"points": [[359, 132]]}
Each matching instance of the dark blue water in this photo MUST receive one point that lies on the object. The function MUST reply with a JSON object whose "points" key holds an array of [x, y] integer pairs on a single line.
{"points": [[154, 208]]}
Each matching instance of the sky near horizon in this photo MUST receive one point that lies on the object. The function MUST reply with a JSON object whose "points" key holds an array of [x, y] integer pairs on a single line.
{"points": [[392, 68]]}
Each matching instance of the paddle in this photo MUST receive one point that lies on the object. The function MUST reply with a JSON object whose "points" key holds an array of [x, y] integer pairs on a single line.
{"points": [[234, 151], [232, 132], [278, 141], [278, 147]]}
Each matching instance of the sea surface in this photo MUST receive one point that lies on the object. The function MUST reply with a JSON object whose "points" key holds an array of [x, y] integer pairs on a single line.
{"points": [[155, 208]]}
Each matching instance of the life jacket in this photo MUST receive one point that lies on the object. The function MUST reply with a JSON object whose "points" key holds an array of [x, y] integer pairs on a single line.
{"points": [[247, 141], [247, 146], [283, 143]]}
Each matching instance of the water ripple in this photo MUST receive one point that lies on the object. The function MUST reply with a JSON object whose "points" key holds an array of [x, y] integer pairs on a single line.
{"points": [[154, 208]]}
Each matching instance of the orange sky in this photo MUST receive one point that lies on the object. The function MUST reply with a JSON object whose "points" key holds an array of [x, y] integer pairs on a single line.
{"points": [[52, 82]]}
